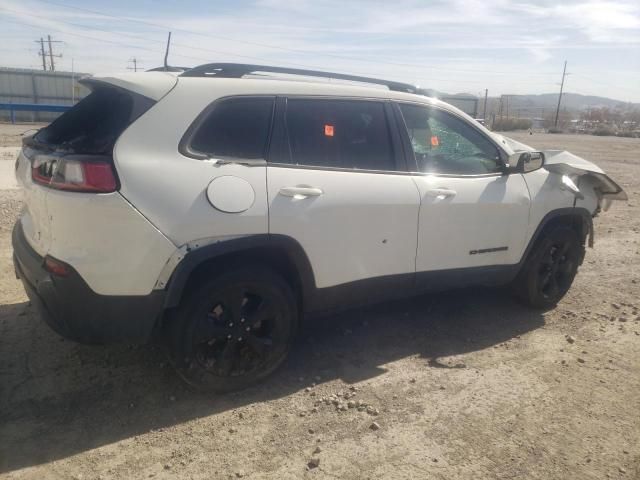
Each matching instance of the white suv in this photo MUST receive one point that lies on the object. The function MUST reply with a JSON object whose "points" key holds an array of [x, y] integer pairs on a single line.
{"points": [[216, 207]]}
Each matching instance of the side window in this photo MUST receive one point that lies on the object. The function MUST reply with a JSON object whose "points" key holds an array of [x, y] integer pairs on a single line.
{"points": [[339, 133], [237, 127], [443, 143]]}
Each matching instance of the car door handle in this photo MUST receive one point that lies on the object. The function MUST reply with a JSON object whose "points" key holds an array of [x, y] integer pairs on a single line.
{"points": [[441, 192], [301, 192]]}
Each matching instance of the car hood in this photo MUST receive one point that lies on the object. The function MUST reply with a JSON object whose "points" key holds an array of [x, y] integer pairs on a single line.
{"points": [[566, 163]]}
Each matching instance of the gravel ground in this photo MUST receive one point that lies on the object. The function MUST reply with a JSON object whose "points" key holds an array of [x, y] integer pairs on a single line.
{"points": [[461, 385]]}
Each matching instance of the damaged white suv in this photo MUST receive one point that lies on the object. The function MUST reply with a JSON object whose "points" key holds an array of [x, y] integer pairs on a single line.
{"points": [[216, 207]]}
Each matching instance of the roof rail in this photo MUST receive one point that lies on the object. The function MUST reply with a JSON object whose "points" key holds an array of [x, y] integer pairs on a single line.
{"points": [[168, 68], [238, 70]]}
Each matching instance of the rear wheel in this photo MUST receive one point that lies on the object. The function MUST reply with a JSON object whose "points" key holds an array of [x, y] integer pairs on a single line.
{"points": [[234, 330], [550, 269]]}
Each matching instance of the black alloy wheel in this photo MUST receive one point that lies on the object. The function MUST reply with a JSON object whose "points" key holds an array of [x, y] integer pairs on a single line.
{"points": [[556, 270], [549, 270], [236, 334], [235, 329]]}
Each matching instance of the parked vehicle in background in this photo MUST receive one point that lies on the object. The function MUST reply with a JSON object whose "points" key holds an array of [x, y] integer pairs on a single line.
{"points": [[213, 209]]}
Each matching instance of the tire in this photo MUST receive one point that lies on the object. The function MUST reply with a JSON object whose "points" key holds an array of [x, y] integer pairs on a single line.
{"points": [[550, 268], [233, 330]]}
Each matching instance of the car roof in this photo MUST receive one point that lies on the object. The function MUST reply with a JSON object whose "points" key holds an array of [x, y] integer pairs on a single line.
{"points": [[156, 84], [284, 86]]}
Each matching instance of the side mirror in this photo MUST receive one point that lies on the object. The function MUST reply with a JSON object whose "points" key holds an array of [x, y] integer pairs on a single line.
{"points": [[525, 162]]}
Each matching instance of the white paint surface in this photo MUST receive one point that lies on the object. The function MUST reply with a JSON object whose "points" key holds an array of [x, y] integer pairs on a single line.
{"points": [[110, 244], [481, 213], [362, 225]]}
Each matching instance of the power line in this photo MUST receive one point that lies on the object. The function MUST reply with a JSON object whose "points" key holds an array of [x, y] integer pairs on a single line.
{"points": [[287, 49], [129, 45], [218, 52], [316, 67], [377, 61], [213, 51]]}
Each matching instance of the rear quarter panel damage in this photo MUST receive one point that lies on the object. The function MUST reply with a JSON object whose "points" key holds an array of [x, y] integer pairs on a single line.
{"points": [[115, 249]]}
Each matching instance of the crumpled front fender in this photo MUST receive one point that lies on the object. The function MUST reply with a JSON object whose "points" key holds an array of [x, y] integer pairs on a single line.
{"points": [[570, 165], [565, 163]]}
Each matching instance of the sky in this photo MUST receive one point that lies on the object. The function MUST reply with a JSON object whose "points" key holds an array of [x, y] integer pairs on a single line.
{"points": [[507, 47]]}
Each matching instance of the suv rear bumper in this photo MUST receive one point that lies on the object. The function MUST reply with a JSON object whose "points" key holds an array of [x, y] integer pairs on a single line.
{"points": [[72, 309]]}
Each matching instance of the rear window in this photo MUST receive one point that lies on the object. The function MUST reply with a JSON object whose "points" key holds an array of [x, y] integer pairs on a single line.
{"points": [[94, 124], [236, 127], [339, 133]]}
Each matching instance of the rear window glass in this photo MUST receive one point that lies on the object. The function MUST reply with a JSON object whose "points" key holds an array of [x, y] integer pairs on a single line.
{"points": [[94, 124], [237, 127], [339, 133]]}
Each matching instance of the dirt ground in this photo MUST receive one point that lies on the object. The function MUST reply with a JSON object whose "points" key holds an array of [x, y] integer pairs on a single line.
{"points": [[467, 385]]}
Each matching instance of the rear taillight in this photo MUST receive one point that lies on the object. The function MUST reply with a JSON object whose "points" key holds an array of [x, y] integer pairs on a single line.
{"points": [[56, 267], [76, 173]]}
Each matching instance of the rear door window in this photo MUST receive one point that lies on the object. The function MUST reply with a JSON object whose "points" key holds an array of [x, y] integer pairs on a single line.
{"points": [[236, 128], [339, 133]]}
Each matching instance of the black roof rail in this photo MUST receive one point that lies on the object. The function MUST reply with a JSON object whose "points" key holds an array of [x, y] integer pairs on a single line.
{"points": [[238, 70], [168, 68]]}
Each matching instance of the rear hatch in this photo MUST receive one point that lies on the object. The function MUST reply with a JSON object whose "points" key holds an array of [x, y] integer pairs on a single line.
{"points": [[74, 153]]}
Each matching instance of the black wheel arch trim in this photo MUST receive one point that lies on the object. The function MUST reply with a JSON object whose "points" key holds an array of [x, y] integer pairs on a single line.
{"points": [[587, 225], [282, 243]]}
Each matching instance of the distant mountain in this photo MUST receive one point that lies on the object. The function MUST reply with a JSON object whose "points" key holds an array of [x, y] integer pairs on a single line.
{"points": [[541, 105], [570, 101]]}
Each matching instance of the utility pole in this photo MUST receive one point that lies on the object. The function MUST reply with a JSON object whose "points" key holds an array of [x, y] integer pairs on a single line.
{"points": [[73, 83], [52, 65], [42, 54], [564, 74], [484, 114], [134, 60], [166, 52]]}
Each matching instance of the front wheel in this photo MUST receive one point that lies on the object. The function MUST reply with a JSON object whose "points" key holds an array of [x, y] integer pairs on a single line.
{"points": [[550, 269], [234, 330]]}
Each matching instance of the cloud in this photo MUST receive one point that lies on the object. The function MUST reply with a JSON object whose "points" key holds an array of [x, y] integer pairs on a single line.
{"points": [[450, 45], [600, 21]]}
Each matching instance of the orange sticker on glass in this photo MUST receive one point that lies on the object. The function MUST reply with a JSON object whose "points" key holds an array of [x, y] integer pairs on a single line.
{"points": [[328, 130], [434, 141]]}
